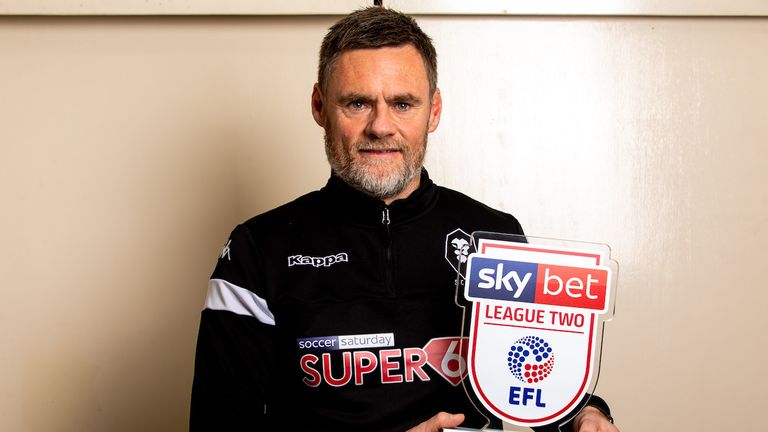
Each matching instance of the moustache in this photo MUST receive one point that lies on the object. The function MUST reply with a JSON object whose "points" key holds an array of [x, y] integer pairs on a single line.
{"points": [[379, 146]]}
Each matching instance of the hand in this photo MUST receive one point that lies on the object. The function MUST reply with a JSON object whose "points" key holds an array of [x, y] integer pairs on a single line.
{"points": [[591, 419], [439, 421]]}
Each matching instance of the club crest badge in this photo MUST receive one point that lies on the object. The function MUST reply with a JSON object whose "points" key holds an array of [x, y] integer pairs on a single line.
{"points": [[536, 309], [457, 248]]}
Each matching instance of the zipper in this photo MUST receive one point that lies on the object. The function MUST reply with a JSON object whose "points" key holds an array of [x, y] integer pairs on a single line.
{"points": [[385, 219], [388, 270]]}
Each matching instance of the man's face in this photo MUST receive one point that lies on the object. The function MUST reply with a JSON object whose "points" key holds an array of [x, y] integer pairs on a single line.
{"points": [[376, 112]]}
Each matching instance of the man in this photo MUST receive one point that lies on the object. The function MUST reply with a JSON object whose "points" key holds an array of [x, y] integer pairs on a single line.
{"points": [[318, 312]]}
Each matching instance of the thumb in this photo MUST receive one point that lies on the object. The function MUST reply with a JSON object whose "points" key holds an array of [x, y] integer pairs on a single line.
{"points": [[439, 421]]}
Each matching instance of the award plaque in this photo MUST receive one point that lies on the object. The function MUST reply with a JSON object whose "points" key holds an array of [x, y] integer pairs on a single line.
{"points": [[534, 311]]}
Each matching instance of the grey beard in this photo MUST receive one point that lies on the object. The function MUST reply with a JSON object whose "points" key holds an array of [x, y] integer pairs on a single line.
{"points": [[378, 187]]}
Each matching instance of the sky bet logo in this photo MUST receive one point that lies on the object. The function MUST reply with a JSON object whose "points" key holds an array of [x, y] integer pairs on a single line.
{"points": [[545, 284]]}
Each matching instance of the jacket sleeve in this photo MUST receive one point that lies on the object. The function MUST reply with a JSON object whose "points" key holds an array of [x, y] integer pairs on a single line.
{"points": [[587, 400], [235, 357]]}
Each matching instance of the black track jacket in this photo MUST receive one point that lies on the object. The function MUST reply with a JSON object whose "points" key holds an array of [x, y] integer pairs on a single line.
{"points": [[320, 314]]}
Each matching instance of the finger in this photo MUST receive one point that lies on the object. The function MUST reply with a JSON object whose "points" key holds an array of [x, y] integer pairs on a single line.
{"points": [[444, 420], [439, 421]]}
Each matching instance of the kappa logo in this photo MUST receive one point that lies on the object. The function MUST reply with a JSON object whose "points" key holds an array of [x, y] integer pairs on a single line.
{"points": [[325, 261], [457, 247]]}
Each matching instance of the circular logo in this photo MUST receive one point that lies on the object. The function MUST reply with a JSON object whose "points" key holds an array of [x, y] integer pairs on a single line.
{"points": [[530, 359]]}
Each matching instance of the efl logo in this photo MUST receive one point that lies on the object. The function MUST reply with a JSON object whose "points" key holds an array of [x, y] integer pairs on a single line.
{"points": [[534, 326], [531, 359]]}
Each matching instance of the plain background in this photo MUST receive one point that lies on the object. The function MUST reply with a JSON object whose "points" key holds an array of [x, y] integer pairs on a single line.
{"points": [[129, 148]]}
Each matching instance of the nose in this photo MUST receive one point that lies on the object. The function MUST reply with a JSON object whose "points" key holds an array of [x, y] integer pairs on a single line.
{"points": [[380, 124]]}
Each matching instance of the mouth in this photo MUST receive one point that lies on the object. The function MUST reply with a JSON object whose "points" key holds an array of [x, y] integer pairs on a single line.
{"points": [[379, 152]]}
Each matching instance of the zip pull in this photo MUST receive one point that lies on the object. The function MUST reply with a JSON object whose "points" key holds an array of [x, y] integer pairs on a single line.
{"points": [[387, 252]]}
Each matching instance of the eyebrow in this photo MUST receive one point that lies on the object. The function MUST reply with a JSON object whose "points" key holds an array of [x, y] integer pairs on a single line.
{"points": [[354, 97], [405, 97], [359, 97]]}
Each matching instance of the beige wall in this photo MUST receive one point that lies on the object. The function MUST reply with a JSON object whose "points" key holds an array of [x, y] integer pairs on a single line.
{"points": [[129, 147]]}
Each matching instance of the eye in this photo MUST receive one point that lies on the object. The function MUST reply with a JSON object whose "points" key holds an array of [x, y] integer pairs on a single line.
{"points": [[402, 106], [357, 105]]}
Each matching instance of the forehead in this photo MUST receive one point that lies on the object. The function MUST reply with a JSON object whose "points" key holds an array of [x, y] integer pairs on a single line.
{"points": [[394, 68]]}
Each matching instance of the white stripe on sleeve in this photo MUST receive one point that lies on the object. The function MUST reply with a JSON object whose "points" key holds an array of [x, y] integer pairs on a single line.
{"points": [[223, 295]]}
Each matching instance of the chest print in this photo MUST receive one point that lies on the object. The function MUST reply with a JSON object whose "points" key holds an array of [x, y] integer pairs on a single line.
{"points": [[457, 248], [325, 261]]}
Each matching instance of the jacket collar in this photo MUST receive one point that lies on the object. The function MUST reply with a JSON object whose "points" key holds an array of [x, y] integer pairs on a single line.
{"points": [[355, 206]]}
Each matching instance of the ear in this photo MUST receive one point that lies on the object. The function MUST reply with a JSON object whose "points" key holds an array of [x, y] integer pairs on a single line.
{"points": [[317, 106], [435, 111]]}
